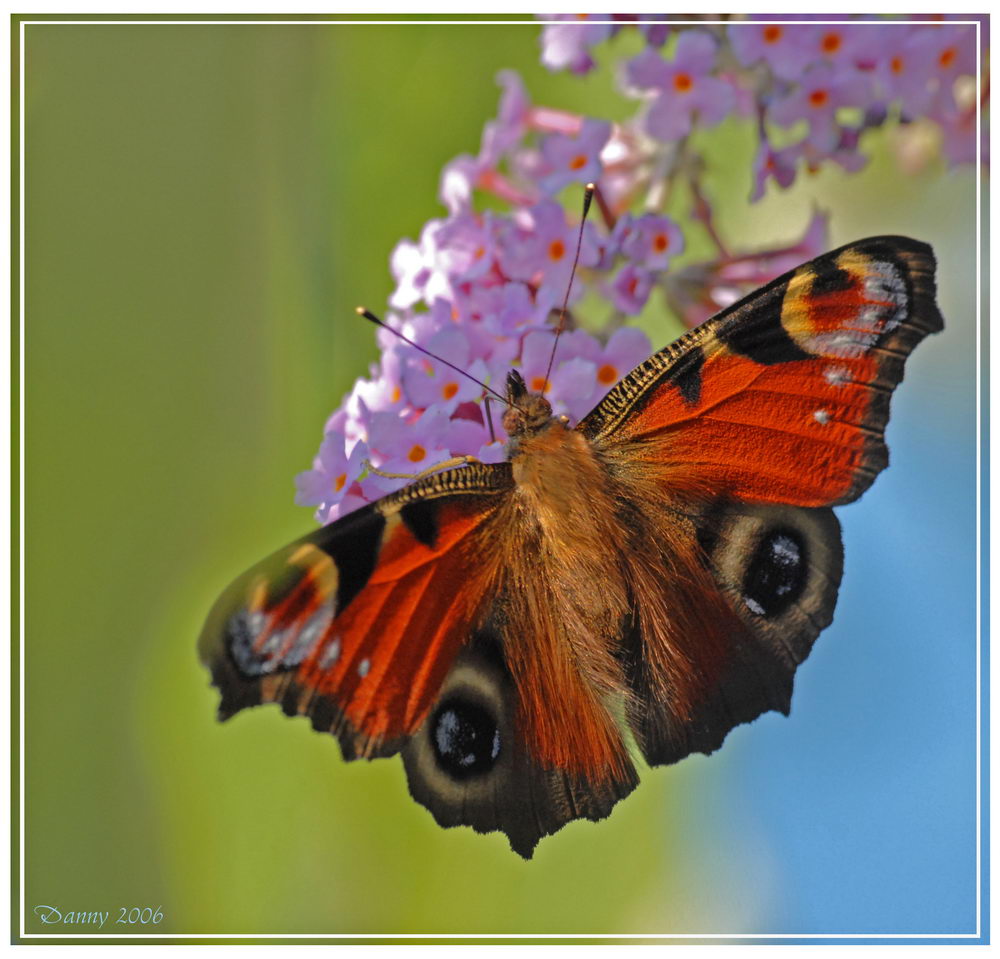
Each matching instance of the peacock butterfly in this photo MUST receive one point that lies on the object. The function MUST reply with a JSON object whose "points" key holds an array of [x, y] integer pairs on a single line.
{"points": [[667, 563]]}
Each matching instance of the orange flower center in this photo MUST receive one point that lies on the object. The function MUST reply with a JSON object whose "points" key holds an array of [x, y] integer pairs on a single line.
{"points": [[416, 454], [660, 242], [396, 394], [557, 250], [818, 98], [539, 384], [480, 252], [831, 42], [896, 64], [772, 34], [578, 162], [683, 82], [947, 58], [338, 483], [449, 390], [607, 374]]}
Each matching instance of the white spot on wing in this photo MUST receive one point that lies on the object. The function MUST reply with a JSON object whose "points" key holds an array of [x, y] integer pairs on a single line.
{"points": [[331, 655], [870, 319], [785, 550], [821, 416], [755, 607], [308, 636], [363, 667], [843, 343], [887, 286], [837, 375], [274, 641]]}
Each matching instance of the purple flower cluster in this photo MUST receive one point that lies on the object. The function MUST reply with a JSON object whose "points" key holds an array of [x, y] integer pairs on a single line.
{"points": [[481, 291], [813, 88]]}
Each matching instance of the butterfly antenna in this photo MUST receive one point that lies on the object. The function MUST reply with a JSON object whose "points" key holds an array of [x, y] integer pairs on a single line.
{"points": [[372, 318], [588, 196]]}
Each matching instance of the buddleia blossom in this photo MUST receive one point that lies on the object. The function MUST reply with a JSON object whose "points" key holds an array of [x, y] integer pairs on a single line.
{"points": [[690, 77], [682, 91], [479, 291]]}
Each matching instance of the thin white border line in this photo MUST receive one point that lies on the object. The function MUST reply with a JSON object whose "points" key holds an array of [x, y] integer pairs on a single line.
{"points": [[424, 23], [21, 491], [979, 454], [501, 935], [534, 22]]}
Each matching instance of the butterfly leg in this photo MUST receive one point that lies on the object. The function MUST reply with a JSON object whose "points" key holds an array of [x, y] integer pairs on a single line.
{"points": [[436, 468]]}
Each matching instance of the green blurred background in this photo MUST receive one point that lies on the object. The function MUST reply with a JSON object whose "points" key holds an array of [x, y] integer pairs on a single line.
{"points": [[204, 207]]}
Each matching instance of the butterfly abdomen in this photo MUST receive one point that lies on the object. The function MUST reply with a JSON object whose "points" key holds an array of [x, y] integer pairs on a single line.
{"points": [[560, 631]]}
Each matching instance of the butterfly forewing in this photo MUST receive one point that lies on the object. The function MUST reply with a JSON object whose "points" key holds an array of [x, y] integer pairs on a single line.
{"points": [[356, 624], [783, 397]]}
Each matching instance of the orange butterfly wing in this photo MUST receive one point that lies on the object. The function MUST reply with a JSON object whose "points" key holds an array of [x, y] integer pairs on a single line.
{"points": [[784, 397], [357, 624]]}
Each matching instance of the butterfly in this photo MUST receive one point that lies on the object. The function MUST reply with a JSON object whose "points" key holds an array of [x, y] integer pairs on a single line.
{"points": [[657, 571]]}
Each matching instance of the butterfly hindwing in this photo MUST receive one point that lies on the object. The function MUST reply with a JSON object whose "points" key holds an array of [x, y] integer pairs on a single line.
{"points": [[778, 568], [356, 624], [469, 766], [783, 397]]}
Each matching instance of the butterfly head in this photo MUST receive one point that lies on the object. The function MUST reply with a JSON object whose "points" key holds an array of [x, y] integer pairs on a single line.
{"points": [[526, 412]]}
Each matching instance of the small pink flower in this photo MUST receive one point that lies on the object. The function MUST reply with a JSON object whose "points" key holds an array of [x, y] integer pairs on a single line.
{"points": [[384, 391], [816, 100], [465, 247], [684, 91], [631, 289], [333, 474], [626, 348], [652, 241], [431, 381], [540, 250], [573, 159], [842, 44], [901, 71], [779, 45], [406, 446]]}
